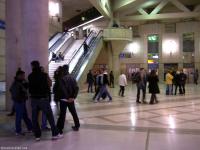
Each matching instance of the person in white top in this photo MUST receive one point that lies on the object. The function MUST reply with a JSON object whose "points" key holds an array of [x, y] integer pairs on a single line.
{"points": [[122, 84]]}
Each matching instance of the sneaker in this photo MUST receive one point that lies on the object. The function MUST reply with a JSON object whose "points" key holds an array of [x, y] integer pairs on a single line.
{"points": [[59, 136], [138, 102], [75, 128], [37, 139], [96, 101], [20, 134]]}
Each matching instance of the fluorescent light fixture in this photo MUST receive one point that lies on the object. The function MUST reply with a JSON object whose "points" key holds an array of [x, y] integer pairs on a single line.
{"points": [[86, 23], [170, 46], [134, 47], [53, 9]]}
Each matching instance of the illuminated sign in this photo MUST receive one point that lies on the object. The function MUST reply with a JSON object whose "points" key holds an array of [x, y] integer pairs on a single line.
{"points": [[153, 38]]}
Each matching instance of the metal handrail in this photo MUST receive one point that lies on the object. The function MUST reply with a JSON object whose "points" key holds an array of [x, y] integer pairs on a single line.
{"points": [[79, 48], [74, 71], [58, 40]]}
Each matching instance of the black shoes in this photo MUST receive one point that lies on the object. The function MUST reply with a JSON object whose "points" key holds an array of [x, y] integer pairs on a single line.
{"points": [[75, 128]]}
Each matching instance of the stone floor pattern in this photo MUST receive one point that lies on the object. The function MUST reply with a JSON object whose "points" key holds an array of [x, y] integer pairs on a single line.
{"points": [[172, 124]]}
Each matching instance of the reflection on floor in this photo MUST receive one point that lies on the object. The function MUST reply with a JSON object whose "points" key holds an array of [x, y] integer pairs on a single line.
{"points": [[173, 124]]}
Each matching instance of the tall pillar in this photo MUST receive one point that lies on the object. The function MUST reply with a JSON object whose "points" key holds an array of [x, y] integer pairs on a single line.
{"points": [[13, 44], [26, 37], [35, 29]]}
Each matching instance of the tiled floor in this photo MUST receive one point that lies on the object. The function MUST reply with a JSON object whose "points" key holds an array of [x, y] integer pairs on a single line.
{"points": [[173, 124]]}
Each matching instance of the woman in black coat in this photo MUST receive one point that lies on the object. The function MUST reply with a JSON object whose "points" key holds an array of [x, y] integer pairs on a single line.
{"points": [[153, 86]]}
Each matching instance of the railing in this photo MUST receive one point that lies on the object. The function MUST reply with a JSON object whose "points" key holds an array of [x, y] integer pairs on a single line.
{"points": [[77, 52], [117, 34], [84, 57], [54, 38], [59, 41], [58, 44]]}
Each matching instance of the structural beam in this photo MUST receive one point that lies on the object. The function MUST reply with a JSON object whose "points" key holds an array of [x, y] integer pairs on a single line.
{"points": [[121, 5], [159, 7], [161, 16], [197, 8], [135, 8], [180, 6], [103, 6], [142, 11]]}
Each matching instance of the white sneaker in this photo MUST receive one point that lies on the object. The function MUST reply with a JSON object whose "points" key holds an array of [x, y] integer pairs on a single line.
{"points": [[59, 136], [37, 139], [95, 101]]}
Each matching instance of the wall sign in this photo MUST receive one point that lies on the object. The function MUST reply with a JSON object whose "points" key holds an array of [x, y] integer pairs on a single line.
{"points": [[2, 25]]}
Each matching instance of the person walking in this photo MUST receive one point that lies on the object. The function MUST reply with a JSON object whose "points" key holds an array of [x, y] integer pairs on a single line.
{"points": [[112, 85], [177, 84], [196, 76], [90, 81], [141, 80], [103, 90], [19, 96], [183, 78], [153, 86], [44, 118], [39, 92], [122, 84], [169, 81], [69, 89]]}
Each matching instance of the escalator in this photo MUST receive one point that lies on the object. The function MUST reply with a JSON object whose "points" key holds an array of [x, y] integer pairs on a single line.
{"points": [[82, 62], [72, 52]]}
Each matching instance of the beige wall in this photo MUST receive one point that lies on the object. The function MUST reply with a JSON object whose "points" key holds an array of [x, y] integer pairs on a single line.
{"points": [[55, 25], [2, 42]]}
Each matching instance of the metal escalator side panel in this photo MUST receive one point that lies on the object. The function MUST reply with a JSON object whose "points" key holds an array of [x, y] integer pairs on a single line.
{"points": [[53, 40]]}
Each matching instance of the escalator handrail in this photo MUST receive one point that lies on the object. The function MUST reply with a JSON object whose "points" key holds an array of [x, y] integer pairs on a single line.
{"points": [[74, 71], [75, 53], [58, 40]]}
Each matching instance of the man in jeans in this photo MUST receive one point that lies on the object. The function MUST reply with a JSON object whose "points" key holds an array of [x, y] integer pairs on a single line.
{"points": [[103, 90], [69, 92], [39, 92]]}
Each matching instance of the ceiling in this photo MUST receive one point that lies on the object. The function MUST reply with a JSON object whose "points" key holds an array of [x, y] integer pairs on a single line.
{"points": [[71, 7]]}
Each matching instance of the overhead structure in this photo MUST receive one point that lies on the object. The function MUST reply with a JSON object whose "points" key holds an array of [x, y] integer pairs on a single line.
{"points": [[104, 7], [141, 10]]}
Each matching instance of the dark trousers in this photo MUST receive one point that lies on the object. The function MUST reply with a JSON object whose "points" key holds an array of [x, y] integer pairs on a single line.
{"points": [[96, 92], [21, 113], [153, 98], [121, 91], [112, 83], [43, 105], [90, 87], [143, 93], [176, 87], [183, 88], [62, 116]]}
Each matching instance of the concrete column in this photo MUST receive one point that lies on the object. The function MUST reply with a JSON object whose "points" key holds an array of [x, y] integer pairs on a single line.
{"points": [[117, 47], [35, 29], [116, 65], [13, 44], [26, 37]]}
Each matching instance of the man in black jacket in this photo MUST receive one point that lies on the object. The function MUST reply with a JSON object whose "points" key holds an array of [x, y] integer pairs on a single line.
{"points": [[69, 91], [39, 92]]}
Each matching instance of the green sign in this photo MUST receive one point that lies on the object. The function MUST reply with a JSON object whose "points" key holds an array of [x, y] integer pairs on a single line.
{"points": [[153, 38]]}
